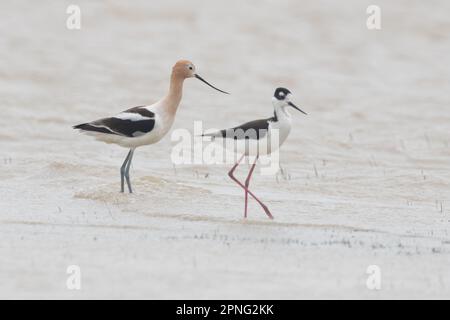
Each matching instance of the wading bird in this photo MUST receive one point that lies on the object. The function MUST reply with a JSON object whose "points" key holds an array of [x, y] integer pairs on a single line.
{"points": [[143, 125], [258, 137]]}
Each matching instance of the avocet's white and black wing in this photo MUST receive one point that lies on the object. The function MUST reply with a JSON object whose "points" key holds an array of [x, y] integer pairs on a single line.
{"points": [[131, 123]]}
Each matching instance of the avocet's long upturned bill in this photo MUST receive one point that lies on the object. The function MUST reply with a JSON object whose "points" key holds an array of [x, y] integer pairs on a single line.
{"points": [[258, 137], [143, 125]]}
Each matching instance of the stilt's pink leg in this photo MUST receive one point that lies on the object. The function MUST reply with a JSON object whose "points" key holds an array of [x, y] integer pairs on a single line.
{"points": [[230, 174], [247, 183]]}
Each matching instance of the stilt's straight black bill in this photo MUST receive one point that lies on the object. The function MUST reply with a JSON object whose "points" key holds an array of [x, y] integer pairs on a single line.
{"points": [[203, 80], [295, 107]]}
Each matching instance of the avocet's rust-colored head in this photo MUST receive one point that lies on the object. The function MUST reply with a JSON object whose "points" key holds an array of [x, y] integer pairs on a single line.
{"points": [[184, 69]]}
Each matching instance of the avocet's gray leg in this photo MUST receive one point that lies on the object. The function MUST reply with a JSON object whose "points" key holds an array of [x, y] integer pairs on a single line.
{"points": [[127, 171], [122, 172]]}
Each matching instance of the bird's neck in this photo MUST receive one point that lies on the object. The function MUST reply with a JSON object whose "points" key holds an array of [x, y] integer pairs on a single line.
{"points": [[173, 97], [281, 114]]}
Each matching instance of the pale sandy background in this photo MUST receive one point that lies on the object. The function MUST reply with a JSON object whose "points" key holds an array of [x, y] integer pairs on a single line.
{"points": [[367, 178]]}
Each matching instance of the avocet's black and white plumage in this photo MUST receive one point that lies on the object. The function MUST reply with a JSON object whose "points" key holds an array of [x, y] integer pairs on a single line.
{"points": [[143, 125], [259, 137]]}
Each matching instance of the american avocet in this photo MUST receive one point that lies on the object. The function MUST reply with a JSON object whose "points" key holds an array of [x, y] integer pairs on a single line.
{"points": [[257, 138], [143, 125]]}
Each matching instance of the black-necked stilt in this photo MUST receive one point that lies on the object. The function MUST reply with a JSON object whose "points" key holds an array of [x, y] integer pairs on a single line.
{"points": [[258, 137], [143, 125]]}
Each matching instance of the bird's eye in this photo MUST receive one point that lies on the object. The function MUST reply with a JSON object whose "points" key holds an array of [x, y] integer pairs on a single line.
{"points": [[190, 68]]}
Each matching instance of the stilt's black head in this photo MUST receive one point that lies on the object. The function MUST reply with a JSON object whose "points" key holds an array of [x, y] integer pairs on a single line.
{"points": [[281, 93]]}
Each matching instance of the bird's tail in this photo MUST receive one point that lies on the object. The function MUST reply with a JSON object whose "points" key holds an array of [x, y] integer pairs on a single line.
{"points": [[212, 134], [80, 126], [90, 128]]}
